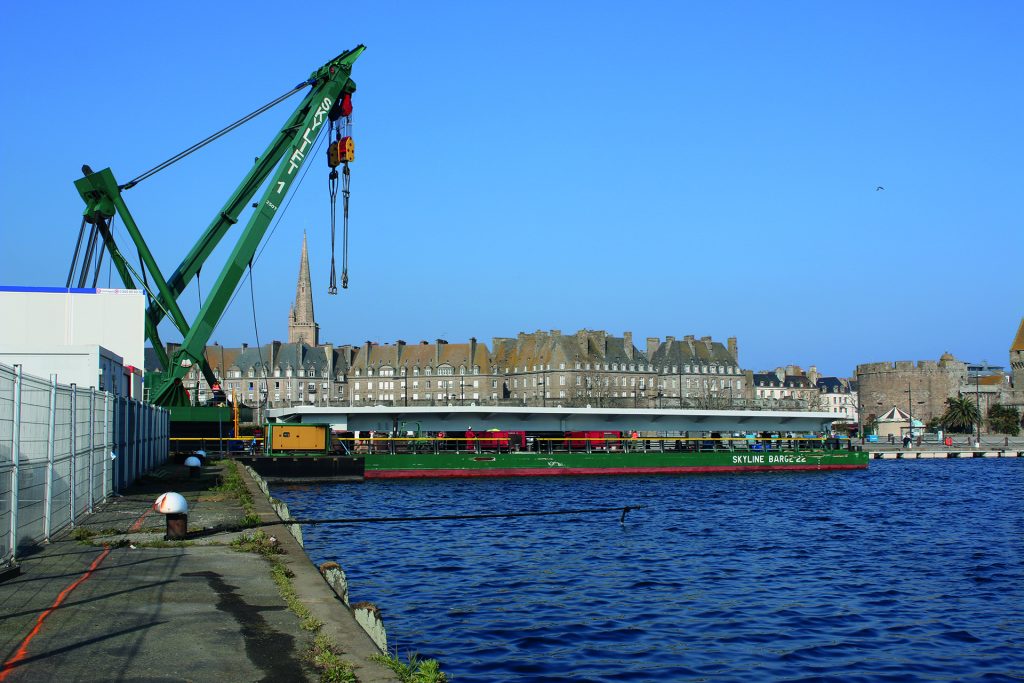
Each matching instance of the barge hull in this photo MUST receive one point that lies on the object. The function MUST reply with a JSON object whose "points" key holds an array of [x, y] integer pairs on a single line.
{"points": [[550, 472], [408, 466]]}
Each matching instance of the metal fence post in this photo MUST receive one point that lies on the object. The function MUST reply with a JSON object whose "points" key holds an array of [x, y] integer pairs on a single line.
{"points": [[122, 441], [51, 448], [92, 446], [106, 442], [140, 430], [15, 459], [139, 433], [74, 450], [140, 453]]}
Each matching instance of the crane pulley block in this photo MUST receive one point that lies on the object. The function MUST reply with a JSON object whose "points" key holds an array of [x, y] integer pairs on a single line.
{"points": [[341, 108], [341, 151]]}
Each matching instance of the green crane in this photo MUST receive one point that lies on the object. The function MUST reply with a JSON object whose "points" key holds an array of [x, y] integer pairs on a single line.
{"points": [[328, 98]]}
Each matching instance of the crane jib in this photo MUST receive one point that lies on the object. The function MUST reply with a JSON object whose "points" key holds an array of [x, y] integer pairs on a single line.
{"points": [[308, 135]]}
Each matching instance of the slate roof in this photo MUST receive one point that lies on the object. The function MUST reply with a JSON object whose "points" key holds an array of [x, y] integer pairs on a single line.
{"points": [[834, 385], [543, 349], [299, 357], [680, 352], [770, 379], [411, 356]]}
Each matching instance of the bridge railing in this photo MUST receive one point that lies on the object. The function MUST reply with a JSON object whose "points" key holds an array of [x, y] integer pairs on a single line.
{"points": [[579, 444]]}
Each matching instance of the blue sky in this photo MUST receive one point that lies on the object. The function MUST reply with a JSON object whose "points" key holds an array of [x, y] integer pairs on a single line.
{"points": [[664, 168]]}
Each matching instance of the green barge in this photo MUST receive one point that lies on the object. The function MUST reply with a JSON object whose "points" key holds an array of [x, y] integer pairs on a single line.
{"points": [[313, 451]]}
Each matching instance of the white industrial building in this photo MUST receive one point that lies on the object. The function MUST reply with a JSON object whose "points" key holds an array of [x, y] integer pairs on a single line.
{"points": [[88, 337]]}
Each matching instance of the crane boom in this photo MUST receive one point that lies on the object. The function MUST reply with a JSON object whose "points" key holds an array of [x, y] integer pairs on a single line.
{"points": [[281, 162]]}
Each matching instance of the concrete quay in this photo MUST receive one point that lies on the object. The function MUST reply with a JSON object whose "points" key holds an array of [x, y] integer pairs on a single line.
{"points": [[113, 602], [922, 453]]}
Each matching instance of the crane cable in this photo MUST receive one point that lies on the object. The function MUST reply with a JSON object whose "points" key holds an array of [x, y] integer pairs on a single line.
{"points": [[332, 189], [342, 131], [223, 131], [345, 180], [277, 221]]}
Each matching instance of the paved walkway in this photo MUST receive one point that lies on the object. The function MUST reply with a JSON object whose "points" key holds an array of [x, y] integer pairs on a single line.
{"points": [[127, 611]]}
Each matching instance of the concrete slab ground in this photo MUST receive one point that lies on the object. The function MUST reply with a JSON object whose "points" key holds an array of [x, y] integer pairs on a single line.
{"points": [[112, 607]]}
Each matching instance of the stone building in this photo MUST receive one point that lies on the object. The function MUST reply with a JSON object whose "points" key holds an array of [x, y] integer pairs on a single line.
{"points": [[698, 373], [919, 389], [421, 374], [785, 388], [589, 367], [285, 374], [838, 395], [592, 367]]}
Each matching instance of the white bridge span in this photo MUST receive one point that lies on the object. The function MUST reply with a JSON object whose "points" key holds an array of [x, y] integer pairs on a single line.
{"points": [[481, 418]]}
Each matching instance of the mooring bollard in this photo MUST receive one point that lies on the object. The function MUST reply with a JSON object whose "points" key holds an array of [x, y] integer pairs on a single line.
{"points": [[194, 465], [175, 508]]}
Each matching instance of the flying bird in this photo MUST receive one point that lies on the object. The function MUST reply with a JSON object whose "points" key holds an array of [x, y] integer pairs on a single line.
{"points": [[879, 188]]}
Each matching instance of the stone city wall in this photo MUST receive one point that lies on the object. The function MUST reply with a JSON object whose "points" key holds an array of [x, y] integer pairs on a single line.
{"points": [[927, 383]]}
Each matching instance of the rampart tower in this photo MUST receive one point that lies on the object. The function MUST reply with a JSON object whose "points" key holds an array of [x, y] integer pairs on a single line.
{"points": [[921, 388]]}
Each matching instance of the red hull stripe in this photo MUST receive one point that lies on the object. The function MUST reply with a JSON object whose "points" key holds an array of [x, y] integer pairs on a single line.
{"points": [[553, 471]]}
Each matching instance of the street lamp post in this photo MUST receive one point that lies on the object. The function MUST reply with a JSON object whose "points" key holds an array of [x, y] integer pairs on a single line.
{"points": [[910, 411], [977, 400]]}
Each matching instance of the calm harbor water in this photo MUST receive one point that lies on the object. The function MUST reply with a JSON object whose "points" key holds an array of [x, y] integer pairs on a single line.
{"points": [[910, 570]]}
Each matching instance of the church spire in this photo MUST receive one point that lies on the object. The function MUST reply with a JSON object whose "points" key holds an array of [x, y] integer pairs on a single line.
{"points": [[302, 325]]}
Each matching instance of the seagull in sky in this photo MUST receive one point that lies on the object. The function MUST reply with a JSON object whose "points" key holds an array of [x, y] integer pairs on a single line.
{"points": [[879, 188]]}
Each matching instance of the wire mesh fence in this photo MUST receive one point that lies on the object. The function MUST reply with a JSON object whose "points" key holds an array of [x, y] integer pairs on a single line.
{"points": [[64, 450]]}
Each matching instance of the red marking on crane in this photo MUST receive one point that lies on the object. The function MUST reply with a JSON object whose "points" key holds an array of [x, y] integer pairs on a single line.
{"points": [[22, 650]]}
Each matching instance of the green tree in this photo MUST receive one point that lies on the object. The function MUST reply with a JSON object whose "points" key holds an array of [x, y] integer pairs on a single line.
{"points": [[1004, 419], [961, 415], [871, 424]]}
